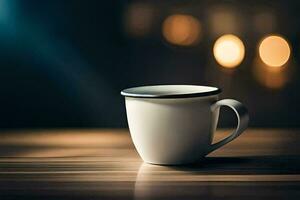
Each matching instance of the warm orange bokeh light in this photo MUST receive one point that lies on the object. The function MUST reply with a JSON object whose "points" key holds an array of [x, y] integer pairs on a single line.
{"points": [[223, 19], [181, 30], [274, 51], [229, 51], [138, 19]]}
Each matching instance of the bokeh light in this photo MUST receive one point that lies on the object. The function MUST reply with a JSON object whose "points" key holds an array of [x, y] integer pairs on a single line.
{"points": [[274, 51], [139, 19], [223, 19], [181, 29], [229, 51]]}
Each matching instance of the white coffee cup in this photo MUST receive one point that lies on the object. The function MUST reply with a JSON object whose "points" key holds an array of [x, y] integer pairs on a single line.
{"points": [[175, 124]]}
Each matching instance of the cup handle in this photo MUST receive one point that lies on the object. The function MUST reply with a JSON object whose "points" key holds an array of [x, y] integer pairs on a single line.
{"points": [[242, 117]]}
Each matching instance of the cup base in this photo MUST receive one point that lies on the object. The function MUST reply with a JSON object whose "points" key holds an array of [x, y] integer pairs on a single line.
{"points": [[180, 163]]}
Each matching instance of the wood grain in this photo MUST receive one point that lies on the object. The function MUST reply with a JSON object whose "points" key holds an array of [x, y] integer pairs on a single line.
{"points": [[103, 164]]}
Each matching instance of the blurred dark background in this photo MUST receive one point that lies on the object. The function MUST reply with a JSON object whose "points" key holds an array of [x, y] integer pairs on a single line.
{"points": [[63, 63]]}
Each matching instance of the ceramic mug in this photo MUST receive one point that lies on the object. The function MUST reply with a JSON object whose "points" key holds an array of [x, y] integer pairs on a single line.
{"points": [[175, 124]]}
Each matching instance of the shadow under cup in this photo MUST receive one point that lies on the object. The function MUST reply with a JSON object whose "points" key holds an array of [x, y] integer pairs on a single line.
{"points": [[174, 124]]}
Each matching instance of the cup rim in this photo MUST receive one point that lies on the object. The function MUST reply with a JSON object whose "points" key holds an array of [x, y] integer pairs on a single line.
{"points": [[170, 91]]}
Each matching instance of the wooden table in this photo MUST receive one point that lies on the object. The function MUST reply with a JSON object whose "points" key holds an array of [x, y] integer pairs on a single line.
{"points": [[103, 164]]}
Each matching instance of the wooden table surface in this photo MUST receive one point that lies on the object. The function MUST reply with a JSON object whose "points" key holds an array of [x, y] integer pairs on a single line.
{"points": [[103, 164]]}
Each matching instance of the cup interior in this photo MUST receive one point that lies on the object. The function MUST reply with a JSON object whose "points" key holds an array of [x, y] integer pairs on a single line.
{"points": [[170, 91]]}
